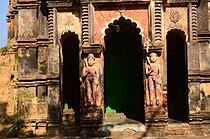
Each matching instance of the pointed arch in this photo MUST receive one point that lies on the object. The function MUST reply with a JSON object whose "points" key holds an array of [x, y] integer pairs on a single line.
{"points": [[67, 34], [123, 73], [123, 25], [177, 81], [70, 71], [178, 35]]}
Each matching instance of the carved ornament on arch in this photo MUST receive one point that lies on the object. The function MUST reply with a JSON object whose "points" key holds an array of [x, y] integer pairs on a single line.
{"points": [[127, 20], [175, 16], [67, 31], [65, 34], [68, 22], [181, 30]]}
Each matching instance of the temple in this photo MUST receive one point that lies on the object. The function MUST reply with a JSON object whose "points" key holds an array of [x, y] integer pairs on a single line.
{"points": [[76, 66]]}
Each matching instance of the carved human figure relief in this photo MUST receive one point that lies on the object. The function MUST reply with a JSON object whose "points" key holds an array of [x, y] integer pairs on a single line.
{"points": [[90, 76], [153, 80]]}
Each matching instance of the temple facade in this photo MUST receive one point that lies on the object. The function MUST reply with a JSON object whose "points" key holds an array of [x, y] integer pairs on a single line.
{"points": [[81, 61]]}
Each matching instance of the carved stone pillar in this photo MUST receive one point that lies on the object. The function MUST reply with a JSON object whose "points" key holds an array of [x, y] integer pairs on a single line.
{"points": [[53, 72], [199, 69], [193, 65], [91, 115], [155, 105]]}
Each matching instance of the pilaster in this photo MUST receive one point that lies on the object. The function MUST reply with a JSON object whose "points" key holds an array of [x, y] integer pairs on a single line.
{"points": [[198, 67]]}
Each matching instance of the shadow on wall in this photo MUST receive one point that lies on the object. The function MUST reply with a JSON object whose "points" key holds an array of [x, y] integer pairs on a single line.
{"points": [[4, 119], [12, 125]]}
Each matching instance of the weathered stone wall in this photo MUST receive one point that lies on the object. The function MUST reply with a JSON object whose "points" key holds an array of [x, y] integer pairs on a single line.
{"points": [[27, 102], [205, 97], [27, 62], [6, 81], [35, 29], [204, 58], [36, 76], [54, 101], [209, 15], [38, 102], [203, 16], [27, 24]]}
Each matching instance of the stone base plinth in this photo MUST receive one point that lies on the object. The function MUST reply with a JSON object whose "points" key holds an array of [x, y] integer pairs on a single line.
{"points": [[91, 115], [156, 116], [91, 119]]}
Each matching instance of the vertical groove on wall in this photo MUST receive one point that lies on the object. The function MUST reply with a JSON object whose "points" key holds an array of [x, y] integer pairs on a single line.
{"points": [[194, 23], [85, 25], [158, 20], [50, 21]]}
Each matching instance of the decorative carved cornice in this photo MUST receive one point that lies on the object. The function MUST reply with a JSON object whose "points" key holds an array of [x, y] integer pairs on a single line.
{"points": [[42, 41], [199, 118], [157, 48], [32, 42], [52, 0], [60, 4], [94, 48], [11, 13], [26, 1], [33, 81], [116, 1], [199, 76], [27, 4], [181, 1], [204, 36]]}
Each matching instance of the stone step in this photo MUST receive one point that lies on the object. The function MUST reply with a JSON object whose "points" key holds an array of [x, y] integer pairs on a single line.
{"points": [[72, 130], [114, 115]]}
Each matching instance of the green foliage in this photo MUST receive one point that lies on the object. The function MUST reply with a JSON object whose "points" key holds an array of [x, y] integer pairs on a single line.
{"points": [[16, 128], [110, 110], [66, 106], [5, 119], [17, 122]]}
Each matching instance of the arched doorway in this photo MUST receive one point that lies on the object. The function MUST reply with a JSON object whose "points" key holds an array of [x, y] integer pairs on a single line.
{"points": [[123, 76], [70, 71], [177, 75]]}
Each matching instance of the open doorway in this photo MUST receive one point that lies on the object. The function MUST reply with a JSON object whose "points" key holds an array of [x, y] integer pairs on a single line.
{"points": [[177, 75], [70, 72], [123, 75]]}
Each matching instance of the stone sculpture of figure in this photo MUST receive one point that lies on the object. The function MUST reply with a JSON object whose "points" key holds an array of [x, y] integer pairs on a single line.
{"points": [[90, 75], [153, 82]]}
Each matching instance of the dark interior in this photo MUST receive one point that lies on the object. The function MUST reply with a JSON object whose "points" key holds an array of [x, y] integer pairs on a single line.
{"points": [[177, 75], [124, 73], [70, 84]]}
